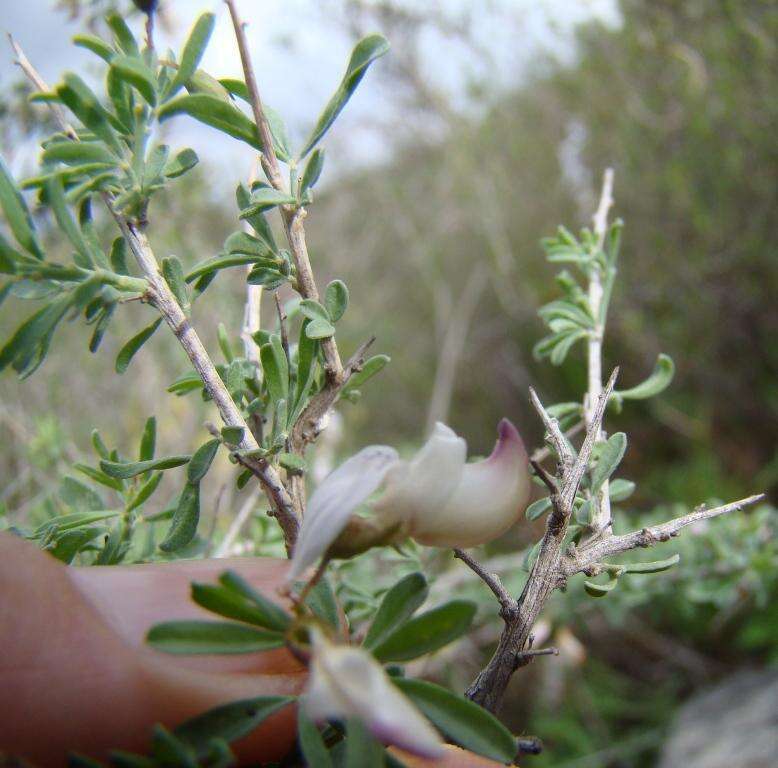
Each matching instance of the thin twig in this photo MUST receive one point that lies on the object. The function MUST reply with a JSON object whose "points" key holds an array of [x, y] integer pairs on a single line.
{"points": [[585, 557], [492, 580]]}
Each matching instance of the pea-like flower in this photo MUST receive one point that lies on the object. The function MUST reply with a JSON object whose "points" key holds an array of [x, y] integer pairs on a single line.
{"points": [[346, 681], [436, 498]]}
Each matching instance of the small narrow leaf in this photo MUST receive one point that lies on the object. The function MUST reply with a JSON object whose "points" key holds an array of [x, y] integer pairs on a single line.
{"points": [[127, 352], [214, 112], [124, 470], [656, 566], [537, 508], [427, 632], [370, 368], [135, 72], [173, 272], [185, 519], [595, 589], [658, 381], [232, 435], [273, 616], [311, 743], [397, 606], [228, 722], [336, 300], [209, 637], [292, 462], [177, 166], [148, 441], [194, 48], [233, 605], [16, 213], [366, 51], [461, 720], [275, 368], [312, 172], [201, 460], [621, 489], [611, 455]]}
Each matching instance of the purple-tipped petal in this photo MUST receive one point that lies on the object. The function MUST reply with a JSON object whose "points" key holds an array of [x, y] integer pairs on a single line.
{"points": [[331, 505], [489, 497], [346, 681]]}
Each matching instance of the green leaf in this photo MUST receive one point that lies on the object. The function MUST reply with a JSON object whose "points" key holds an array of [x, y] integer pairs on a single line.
{"points": [[336, 300], [123, 37], [75, 520], [17, 214], [79, 496], [273, 616], [135, 72], [610, 456], [274, 120], [275, 368], [220, 262], [600, 590], [620, 489], [76, 94], [213, 112], [232, 435], [76, 153], [67, 223], [656, 566], [96, 45], [537, 508], [244, 243], [127, 352], [125, 470], [148, 441], [185, 519], [366, 51], [145, 491], [224, 343], [99, 477], [201, 461], [311, 744], [658, 381], [229, 721], [312, 172], [319, 329], [257, 220], [321, 600], [263, 198], [194, 48], [233, 605], [461, 720], [362, 749], [397, 606], [168, 751], [370, 368], [267, 277], [173, 272], [184, 161], [292, 462], [427, 632], [207, 637]]}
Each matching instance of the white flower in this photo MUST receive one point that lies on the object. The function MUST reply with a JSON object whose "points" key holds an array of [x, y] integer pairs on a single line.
{"points": [[446, 502], [437, 498], [346, 681]]}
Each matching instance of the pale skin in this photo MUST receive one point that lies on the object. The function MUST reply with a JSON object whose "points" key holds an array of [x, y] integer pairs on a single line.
{"points": [[77, 675]]}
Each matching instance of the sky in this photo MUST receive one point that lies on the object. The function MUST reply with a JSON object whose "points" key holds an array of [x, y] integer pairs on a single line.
{"points": [[300, 49]]}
